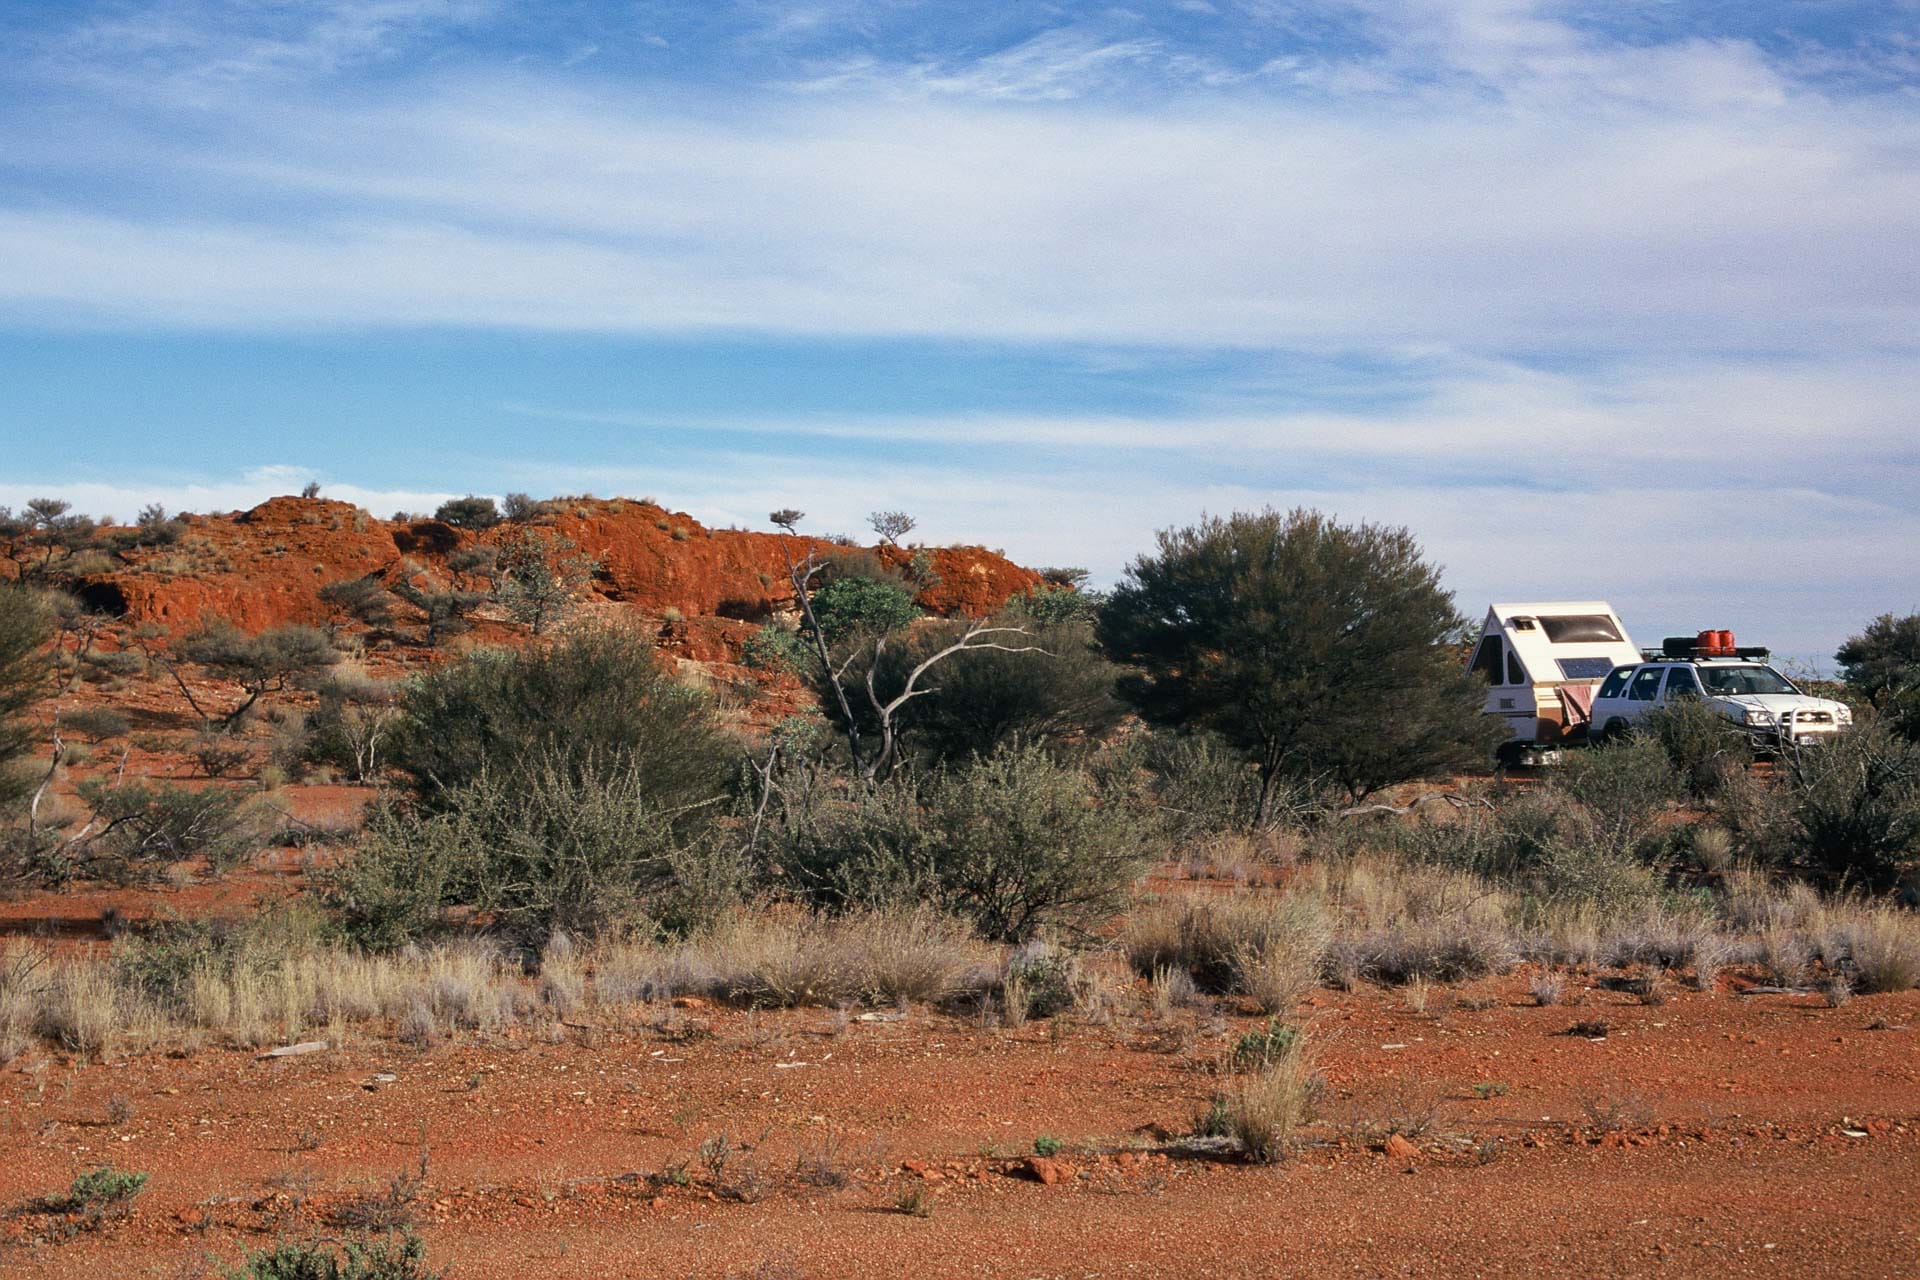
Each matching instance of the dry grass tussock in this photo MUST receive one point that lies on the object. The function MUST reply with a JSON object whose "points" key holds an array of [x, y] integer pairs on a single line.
{"points": [[1265, 1108], [1376, 917], [248, 991]]}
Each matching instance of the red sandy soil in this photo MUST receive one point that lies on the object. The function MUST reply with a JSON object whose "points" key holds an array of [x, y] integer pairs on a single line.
{"points": [[1735, 1156]]}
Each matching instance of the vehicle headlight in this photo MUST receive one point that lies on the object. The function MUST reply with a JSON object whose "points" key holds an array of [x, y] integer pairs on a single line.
{"points": [[1758, 715]]}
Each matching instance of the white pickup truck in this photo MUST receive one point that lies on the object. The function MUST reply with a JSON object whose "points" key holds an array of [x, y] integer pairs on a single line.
{"points": [[1750, 693]]}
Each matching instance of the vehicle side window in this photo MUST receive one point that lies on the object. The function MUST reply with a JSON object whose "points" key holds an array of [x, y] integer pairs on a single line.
{"points": [[1516, 674], [1486, 661], [1646, 683], [1616, 681], [1682, 683]]}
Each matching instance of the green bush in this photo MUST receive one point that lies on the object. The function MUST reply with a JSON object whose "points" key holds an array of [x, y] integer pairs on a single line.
{"points": [[401, 1257], [269, 662], [565, 844], [470, 512], [105, 1190], [776, 648], [1202, 785], [1623, 786], [598, 699], [147, 826], [98, 723], [1883, 659], [1705, 748], [983, 699], [26, 623], [860, 606], [1015, 842], [1855, 806]]}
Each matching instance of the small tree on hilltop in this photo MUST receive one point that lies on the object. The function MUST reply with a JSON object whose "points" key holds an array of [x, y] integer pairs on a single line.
{"points": [[891, 526], [470, 512], [43, 536], [1320, 650], [539, 575]]}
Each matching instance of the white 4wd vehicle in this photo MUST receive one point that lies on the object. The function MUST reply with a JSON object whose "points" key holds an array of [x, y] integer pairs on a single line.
{"points": [[1751, 694]]}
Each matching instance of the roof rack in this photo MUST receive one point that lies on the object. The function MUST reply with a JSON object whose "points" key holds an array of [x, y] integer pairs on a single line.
{"points": [[1708, 646]]}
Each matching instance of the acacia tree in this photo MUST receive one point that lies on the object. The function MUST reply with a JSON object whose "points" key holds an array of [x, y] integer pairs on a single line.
{"points": [[872, 762], [1319, 650], [1883, 659], [25, 625], [537, 576], [260, 664]]}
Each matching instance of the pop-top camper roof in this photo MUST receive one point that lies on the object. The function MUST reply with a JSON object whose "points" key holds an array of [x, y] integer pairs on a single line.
{"points": [[1562, 640]]}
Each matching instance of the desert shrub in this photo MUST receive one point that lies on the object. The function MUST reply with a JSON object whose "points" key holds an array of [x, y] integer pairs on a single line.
{"points": [[398, 1257], [470, 512], [598, 699], [1269, 948], [562, 843], [1014, 842], [1855, 806], [1054, 603], [26, 623], [538, 576], [983, 699], [1705, 748], [1623, 786], [776, 648], [1202, 785], [97, 723], [140, 828], [103, 1192], [1883, 659], [781, 959], [1879, 950], [365, 600], [857, 605], [1039, 981]]}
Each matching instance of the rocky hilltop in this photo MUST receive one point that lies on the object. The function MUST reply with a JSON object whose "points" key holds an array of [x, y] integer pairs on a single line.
{"points": [[708, 588]]}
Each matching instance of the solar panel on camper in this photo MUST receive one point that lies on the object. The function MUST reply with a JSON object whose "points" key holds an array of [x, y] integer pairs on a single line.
{"points": [[1585, 668]]}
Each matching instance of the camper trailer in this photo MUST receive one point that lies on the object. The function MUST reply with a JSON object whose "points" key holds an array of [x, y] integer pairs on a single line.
{"points": [[1543, 663]]}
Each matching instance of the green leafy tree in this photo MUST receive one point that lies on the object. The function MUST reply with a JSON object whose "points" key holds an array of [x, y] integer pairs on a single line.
{"points": [[1884, 659], [1322, 651], [538, 576], [859, 607]]}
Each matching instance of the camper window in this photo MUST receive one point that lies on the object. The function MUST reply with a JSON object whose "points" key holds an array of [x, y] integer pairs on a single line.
{"points": [[1581, 628], [1516, 674], [1486, 662]]}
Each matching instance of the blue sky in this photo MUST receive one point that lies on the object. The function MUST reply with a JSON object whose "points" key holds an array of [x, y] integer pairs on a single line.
{"points": [[1611, 299]]}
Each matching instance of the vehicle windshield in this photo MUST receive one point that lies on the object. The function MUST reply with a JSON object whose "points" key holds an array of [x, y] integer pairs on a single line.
{"points": [[1743, 679]]}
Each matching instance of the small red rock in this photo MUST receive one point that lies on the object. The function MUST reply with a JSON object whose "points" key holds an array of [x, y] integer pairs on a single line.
{"points": [[1046, 1172], [1398, 1148]]}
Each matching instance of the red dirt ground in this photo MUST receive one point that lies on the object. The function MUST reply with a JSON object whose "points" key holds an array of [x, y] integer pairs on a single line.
{"points": [[1735, 1156]]}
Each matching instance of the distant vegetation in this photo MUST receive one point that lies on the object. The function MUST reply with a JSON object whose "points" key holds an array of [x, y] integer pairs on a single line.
{"points": [[946, 809]]}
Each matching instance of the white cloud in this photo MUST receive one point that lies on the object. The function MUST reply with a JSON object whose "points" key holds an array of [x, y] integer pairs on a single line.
{"points": [[123, 498], [1485, 229]]}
